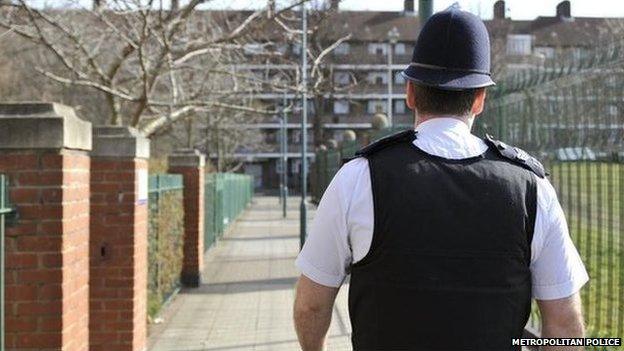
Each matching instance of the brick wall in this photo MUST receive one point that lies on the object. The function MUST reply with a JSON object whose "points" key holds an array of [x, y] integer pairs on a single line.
{"points": [[47, 250], [118, 255], [191, 165]]}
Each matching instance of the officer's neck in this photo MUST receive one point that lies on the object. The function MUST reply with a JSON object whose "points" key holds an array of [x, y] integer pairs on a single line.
{"points": [[469, 120]]}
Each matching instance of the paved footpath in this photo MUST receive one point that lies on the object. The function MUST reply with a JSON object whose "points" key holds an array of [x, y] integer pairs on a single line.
{"points": [[246, 300]]}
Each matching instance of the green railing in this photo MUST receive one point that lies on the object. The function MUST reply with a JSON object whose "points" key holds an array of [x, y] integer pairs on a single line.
{"points": [[5, 209], [572, 118], [226, 196], [326, 164], [390, 130], [165, 238], [328, 161]]}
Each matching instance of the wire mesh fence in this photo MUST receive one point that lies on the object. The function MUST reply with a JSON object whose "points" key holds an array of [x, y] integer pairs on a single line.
{"points": [[165, 238], [570, 116], [226, 195], [326, 163]]}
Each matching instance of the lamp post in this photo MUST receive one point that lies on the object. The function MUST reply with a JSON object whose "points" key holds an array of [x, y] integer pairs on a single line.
{"points": [[284, 156], [425, 10], [304, 127], [393, 38], [280, 160]]}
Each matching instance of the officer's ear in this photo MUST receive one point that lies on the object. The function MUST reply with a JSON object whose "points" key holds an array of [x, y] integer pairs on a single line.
{"points": [[411, 98], [479, 102]]}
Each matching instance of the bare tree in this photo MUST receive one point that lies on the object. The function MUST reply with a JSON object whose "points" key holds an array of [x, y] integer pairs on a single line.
{"points": [[153, 65], [138, 63]]}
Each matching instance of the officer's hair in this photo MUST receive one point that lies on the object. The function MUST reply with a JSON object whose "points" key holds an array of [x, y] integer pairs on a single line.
{"points": [[443, 102]]}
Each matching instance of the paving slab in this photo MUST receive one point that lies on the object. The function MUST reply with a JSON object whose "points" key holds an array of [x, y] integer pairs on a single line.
{"points": [[245, 301]]}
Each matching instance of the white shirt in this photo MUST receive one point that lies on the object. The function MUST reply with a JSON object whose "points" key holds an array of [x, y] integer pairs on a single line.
{"points": [[342, 230]]}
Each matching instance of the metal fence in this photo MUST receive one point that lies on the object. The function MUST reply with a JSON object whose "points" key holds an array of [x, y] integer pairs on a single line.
{"points": [[226, 196], [165, 238], [571, 116], [328, 161], [5, 209]]}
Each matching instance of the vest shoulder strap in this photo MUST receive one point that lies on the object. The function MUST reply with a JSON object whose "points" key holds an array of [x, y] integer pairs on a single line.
{"points": [[404, 136], [517, 156]]}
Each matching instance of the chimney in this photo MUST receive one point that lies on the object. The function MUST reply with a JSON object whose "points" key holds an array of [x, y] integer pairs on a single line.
{"points": [[270, 8], [408, 6], [99, 4], [564, 10], [499, 9], [334, 5]]}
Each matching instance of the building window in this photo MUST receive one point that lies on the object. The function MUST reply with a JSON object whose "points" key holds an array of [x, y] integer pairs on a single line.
{"points": [[270, 137], [342, 78], [295, 166], [377, 48], [341, 107], [399, 106], [577, 53], [342, 49], [278, 166], [282, 48], [296, 49], [378, 78], [377, 106], [399, 49], [296, 137], [253, 49], [398, 78], [519, 44], [546, 51]]}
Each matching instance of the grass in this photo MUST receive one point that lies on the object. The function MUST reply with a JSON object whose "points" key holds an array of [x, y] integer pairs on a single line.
{"points": [[591, 194]]}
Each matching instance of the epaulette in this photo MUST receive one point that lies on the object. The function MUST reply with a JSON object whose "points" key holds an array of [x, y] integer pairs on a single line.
{"points": [[406, 135], [517, 156]]}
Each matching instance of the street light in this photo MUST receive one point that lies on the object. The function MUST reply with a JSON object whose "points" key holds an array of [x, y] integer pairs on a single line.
{"points": [[393, 38], [425, 10], [303, 217], [284, 139]]}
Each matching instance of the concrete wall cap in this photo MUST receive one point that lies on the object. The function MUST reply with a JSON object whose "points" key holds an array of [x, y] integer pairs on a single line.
{"points": [[119, 141], [42, 125], [187, 158]]}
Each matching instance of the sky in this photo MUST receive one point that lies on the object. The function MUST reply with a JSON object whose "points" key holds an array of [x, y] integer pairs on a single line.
{"points": [[516, 9]]}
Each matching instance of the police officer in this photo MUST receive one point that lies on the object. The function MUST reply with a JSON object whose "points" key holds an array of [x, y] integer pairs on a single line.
{"points": [[447, 236]]}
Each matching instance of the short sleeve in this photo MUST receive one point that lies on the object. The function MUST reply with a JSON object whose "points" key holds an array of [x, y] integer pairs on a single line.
{"points": [[326, 254], [556, 267]]}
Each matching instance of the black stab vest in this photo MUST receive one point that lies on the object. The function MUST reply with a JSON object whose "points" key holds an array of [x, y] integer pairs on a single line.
{"points": [[448, 267]]}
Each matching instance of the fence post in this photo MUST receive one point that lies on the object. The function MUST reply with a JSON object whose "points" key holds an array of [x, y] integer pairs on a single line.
{"points": [[118, 246], [191, 164], [44, 151]]}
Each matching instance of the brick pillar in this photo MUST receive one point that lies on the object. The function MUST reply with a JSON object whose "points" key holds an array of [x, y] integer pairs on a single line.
{"points": [[44, 151], [118, 295], [191, 164]]}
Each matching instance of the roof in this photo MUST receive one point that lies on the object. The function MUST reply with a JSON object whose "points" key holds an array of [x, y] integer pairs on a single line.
{"points": [[548, 31], [555, 31]]}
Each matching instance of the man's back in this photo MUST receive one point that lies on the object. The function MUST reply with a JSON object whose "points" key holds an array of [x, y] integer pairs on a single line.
{"points": [[448, 266]]}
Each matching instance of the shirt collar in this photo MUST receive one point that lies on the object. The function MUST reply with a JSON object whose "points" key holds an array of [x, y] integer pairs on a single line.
{"points": [[439, 124], [448, 137]]}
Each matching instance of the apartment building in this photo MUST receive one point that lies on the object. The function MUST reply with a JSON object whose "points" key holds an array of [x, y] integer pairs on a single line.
{"points": [[368, 66]]}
